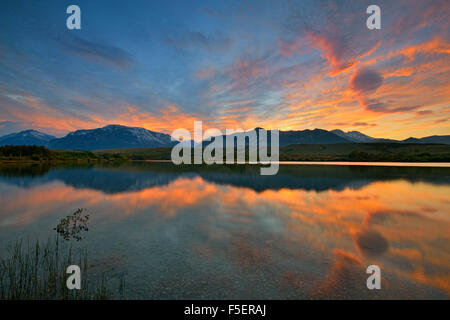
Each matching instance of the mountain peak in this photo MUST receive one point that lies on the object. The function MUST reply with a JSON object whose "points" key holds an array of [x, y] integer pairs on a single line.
{"points": [[112, 136], [29, 131], [114, 126], [353, 136], [26, 137]]}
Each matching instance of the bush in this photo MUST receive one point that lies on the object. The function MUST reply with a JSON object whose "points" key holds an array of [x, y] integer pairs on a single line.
{"points": [[25, 151]]}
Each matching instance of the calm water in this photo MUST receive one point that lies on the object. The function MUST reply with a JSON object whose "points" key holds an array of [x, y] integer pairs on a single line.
{"points": [[226, 232]]}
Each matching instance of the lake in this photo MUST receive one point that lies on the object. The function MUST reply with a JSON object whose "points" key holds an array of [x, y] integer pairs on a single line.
{"points": [[225, 232]]}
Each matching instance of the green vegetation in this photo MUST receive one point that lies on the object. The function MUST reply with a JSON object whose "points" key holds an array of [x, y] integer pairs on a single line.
{"points": [[140, 153], [394, 152], [42, 154], [24, 152], [372, 152], [36, 271], [73, 225], [403, 152]]}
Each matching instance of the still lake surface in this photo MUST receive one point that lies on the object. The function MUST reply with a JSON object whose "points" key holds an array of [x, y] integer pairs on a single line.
{"points": [[225, 232]]}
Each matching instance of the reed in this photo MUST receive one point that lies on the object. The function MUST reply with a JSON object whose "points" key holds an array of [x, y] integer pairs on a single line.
{"points": [[37, 271]]}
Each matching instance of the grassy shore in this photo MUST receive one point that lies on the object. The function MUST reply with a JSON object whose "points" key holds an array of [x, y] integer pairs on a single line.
{"points": [[370, 152], [37, 154], [36, 271], [373, 152]]}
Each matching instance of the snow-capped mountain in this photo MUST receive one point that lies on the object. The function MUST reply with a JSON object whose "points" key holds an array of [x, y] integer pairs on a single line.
{"points": [[111, 137], [356, 136], [27, 137]]}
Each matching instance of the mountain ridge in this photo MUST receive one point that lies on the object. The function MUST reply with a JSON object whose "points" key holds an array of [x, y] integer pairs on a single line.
{"points": [[118, 137]]}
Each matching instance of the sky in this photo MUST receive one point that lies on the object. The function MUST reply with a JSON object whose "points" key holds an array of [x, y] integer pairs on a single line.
{"points": [[288, 65]]}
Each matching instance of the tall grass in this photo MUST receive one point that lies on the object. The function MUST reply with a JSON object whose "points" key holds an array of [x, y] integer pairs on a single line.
{"points": [[38, 271]]}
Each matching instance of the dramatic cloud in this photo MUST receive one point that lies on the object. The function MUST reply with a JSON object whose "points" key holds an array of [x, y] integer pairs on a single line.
{"points": [[306, 64], [245, 70], [424, 112], [363, 124], [354, 124], [377, 106], [366, 81], [96, 51], [334, 50]]}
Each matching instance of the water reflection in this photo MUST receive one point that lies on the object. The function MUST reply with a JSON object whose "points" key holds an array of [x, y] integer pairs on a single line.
{"points": [[141, 175], [226, 232]]}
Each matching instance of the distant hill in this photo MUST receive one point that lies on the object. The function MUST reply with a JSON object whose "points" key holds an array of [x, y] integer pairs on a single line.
{"points": [[111, 137], [356, 136], [123, 137], [431, 139], [316, 136], [27, 137]]}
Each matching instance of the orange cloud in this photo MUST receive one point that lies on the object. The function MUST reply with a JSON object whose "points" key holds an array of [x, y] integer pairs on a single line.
{"points": [[336, 52], [435, 46]]}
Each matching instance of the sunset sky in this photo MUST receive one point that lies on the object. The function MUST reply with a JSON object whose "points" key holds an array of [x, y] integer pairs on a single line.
{"points": [[290, 65]]}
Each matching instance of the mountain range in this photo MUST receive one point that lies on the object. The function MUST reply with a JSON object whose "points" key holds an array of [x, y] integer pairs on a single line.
{"points": [[118, 137], [27, 137]]}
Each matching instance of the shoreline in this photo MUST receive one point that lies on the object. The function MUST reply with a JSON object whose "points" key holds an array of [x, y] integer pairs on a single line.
{"points": [[317, 163], [56, 161], [336, 163]]}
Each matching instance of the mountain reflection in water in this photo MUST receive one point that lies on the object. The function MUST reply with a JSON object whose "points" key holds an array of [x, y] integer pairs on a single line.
{"points": [[227, 232]]}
